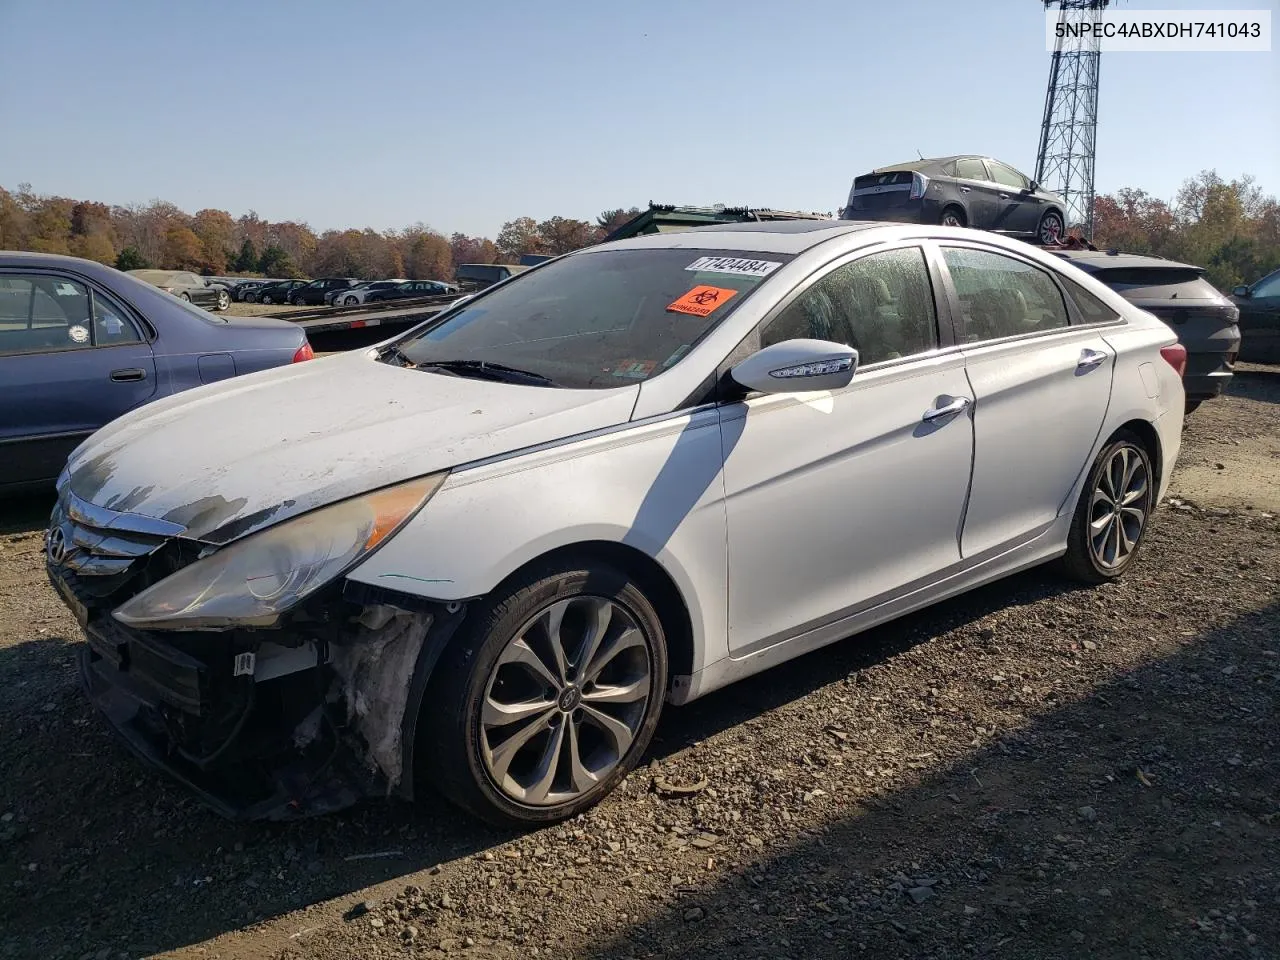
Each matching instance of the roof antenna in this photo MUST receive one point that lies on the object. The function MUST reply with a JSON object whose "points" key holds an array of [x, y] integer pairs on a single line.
{"points": [[919, 154]]}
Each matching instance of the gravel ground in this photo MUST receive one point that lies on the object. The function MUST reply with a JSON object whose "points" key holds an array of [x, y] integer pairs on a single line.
{"points": [[1033, 770]]}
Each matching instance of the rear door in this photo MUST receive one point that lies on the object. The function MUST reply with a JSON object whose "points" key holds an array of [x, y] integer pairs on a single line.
{"points": [[1017, 209], [977, 192], [1041, 387], [71, 360]]}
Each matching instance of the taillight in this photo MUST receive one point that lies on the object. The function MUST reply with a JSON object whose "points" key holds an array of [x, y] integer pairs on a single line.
{"points": [[305, 352], [1176, 355], [919, 184]]}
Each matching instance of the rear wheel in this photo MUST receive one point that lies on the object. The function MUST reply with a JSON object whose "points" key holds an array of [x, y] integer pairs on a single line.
{"points": [[1051, 227], [1112, 514], [266, 298], [296, 301], [351, 301], [185, 296], [548, 699], [954, 217], [224, 300]]}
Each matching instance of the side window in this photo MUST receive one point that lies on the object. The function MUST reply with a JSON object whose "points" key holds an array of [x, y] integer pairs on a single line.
{"points": [[1267, 288], [881, 305], [1006, 176], [111, 325], [1003, 297], [41, 314], [1092, 310], [970, 169]]}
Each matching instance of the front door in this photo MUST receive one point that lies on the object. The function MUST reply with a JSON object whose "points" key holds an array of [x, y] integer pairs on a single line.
{"points": [[1041, 390], [71, 360], [1260, 321], [978, 192], [836, 499], [1019, 209]]}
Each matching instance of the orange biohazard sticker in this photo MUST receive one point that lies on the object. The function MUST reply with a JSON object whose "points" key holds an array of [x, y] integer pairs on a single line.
{"points": [[701, 300]]}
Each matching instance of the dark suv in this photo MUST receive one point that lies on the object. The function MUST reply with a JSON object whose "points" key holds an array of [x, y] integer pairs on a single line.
{"points": [[314, 292], [1177, 293], [1259, 305], [973, 192]]}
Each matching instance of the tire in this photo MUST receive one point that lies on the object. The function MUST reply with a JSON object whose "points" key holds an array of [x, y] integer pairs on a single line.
{"points": [[185, 296], [249, 297], [1191, 407], [954, 217], [295, 301], [1099, 557], [224, 301], [461, 752], [266, 299], [1051, 228], [351, 301]]}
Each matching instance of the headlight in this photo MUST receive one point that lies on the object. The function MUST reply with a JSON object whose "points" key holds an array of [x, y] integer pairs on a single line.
{"points": [[254, 580]]}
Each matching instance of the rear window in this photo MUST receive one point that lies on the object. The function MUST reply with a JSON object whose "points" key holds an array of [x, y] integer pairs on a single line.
{"points": [[889, 179], [598, 320], [1158, 283]]}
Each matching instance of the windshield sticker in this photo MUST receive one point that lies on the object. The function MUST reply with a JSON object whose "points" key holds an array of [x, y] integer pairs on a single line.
{"points": [[78, 333], [735, 265], [674, 358], [634, 369], [701, 300]]}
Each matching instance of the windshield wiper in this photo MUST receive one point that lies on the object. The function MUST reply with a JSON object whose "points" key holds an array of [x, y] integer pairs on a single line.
{"points": [[488, 370]]}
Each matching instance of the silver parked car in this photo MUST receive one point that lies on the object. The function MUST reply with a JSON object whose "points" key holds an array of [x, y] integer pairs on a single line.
{"points": [[485, 554]]}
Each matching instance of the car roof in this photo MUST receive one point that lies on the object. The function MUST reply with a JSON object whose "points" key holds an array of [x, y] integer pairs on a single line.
{"points": [[1101, 260], [768, 236]]}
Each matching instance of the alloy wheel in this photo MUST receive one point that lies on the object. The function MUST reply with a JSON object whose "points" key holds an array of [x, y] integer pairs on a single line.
{"points": [[564, 701], [1050, 228], [952, 219], [1118, 509]]}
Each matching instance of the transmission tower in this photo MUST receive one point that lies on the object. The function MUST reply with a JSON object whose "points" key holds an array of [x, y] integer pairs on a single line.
{"points": [[1064, 163]]}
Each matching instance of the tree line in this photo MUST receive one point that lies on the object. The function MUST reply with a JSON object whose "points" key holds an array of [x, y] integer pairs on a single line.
{"points": [[161, 235], [1231, 228]]}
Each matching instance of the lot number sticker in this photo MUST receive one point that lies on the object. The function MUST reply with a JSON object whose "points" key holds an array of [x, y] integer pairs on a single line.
{"points": [[701, 300], [735, 265]]}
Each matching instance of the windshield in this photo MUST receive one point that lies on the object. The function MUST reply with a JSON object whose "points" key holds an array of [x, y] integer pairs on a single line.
{"points": [[597, 320]]}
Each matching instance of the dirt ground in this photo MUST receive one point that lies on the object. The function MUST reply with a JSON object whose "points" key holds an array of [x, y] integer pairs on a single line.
{"points": [[1032, 770]]}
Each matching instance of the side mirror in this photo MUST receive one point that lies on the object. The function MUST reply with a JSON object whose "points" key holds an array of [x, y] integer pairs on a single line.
{"points": [[1033, 186], [797, 366], [1240, 291]]}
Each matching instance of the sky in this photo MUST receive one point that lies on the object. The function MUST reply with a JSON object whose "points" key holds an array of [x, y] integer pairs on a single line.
{"points": [[466, 115]]}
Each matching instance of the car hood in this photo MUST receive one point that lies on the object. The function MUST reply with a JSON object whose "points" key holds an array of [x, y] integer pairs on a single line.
{"points": [[235, 456]]}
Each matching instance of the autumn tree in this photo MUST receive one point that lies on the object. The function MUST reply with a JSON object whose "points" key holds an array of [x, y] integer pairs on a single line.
{"points": [[427, 254], [182, 249], [217, 232], [610, 220], [562, 235], [518, 237], [465, 249]]}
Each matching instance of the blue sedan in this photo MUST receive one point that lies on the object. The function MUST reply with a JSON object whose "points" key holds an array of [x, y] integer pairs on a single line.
{"points": [[82, 343]]}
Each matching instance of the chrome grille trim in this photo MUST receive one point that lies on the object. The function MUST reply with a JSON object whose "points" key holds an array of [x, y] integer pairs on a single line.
{"points": [[95, 541]]}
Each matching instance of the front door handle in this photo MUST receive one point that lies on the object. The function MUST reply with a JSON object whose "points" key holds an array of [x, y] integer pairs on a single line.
{"points": [[1091, 358], [949, 409], [128, 375], [965, 189], [1004, 196]]}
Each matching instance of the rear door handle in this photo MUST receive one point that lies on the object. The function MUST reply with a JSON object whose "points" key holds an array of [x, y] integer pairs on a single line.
{"points": [[1091, 358], [948, 409], [128, 374], [965, 189]]}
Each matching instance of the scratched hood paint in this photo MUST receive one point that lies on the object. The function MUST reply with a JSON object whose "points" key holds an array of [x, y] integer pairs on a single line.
{"points": [[235, 456]]}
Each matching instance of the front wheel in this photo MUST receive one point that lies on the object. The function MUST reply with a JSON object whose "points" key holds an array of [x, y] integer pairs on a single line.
{"points": [[1051, 227], [224, 300], [351, 301], [295, 301], [185, 296], [1112, 514], [547, 699]]}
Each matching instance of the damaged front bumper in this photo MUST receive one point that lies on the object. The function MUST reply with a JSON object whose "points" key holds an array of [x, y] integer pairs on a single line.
{"points": [[275, 724]]}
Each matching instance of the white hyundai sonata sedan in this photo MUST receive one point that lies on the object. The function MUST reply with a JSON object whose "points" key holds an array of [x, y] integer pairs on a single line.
{"points": [[485, 554]]}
